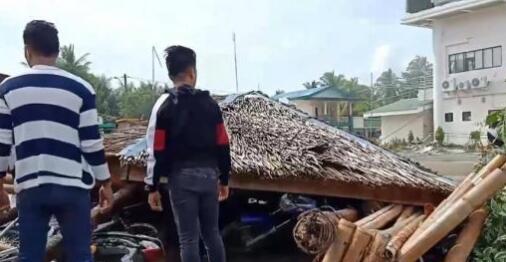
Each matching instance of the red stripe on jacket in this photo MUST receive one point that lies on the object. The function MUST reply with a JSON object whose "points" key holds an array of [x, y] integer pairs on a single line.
{"points": [[160, 140], [221, 135]]}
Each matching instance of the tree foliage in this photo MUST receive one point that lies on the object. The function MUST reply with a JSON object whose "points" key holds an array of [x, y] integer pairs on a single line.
{"points": [[388, 87], [440, 136], [311, 85], [418, 75], [130, 101]]}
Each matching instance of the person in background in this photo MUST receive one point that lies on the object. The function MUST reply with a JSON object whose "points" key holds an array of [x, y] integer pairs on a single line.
{"points": [[50, 118], [189, 146]]}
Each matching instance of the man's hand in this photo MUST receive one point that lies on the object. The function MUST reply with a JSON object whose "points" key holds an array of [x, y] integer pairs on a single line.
{"points": [[223, 192], [155, 201], [106, 197]]}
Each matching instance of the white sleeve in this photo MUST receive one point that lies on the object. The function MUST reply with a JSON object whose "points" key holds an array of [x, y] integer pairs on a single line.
{"points": [[150, 139]]}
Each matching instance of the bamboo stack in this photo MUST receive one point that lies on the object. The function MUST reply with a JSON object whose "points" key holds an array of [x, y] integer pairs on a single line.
{"points": [[471, 195], [367, 239], [468, 237], [406, 233]]}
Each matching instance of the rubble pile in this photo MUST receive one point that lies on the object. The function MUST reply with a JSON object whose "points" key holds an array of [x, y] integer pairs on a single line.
{"points": [[405, 233]]}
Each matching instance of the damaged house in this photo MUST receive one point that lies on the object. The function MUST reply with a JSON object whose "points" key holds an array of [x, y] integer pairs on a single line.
{"points": [[279, 149]]}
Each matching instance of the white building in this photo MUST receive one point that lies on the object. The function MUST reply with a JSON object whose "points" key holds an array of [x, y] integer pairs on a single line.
{"points": [[469, 41], [404, 116]]}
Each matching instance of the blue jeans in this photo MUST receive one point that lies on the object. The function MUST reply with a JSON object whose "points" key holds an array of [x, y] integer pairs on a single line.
{"points": [[71, 207], [194, 200]]}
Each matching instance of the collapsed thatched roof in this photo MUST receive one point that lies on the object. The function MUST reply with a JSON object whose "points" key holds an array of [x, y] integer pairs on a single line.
{"points": [[273, 141]]}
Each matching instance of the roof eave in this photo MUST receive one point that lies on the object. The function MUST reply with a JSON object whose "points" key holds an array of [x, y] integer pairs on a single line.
{"points": [[398, 113], [426, 17], [308, 98]]}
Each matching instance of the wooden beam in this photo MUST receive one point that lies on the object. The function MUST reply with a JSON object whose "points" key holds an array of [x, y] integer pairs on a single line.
{"points": [[391, 194], [331, 188]]}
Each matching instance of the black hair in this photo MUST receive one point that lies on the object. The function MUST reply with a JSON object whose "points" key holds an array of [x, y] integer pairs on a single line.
{"points": [[42, 36], [178, 59]]}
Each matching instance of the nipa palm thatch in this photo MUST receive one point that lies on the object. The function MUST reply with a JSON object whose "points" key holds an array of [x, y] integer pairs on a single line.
{"points": [[271, 140]]}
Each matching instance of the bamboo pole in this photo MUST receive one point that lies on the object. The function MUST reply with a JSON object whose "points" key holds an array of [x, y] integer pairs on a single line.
{"points": [[373, 216], [384, 219], [468, 237], [378, 242], [358, 246], [381, 239], [350, 214], [465, 185], [406, 213], [9, 189], [457, 213], [130, 193], [316, 230], [336, 251], [398, 239]]}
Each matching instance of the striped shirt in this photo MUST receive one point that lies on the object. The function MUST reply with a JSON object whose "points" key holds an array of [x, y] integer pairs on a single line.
{"points": [[50, 119]]}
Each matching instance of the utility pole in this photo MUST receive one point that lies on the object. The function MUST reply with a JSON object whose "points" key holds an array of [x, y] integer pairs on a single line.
{"points": [[154, 55], [371, 95], [235, 62], [125, 81]]}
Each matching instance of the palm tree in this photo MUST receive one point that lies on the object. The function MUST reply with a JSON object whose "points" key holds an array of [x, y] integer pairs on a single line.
{"points": [[312, 84], [330, 79], [69, 62], [389, 87]]}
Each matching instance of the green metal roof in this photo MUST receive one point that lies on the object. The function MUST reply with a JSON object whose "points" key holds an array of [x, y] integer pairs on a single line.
{"points": [[320, 93], [410, 104]]}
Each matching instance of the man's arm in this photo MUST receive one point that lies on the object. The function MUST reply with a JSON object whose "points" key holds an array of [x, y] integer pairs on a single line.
{"points": [[150, 140], [92, 146], [160, 153], [5, 137], [223, 149]]}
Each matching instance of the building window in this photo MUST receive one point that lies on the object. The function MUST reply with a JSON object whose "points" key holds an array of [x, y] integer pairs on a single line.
{"points": [[316, 112], [478, 58], [449, 117], [466, 116], [475, 60], [487, 58], [497, 57], [470, 62]]}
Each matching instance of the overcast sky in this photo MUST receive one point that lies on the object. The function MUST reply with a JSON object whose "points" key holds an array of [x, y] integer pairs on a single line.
{"points": [[280, 43]]}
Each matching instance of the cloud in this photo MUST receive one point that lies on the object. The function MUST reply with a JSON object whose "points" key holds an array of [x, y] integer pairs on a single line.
{"points": [[381, 59]]}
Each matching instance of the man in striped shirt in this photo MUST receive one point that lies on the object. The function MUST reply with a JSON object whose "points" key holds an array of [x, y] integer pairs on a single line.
{"points": [[49, 117]]}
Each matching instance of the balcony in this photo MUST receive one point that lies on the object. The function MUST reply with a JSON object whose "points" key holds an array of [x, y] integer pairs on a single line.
{"points": [[423, 12]]}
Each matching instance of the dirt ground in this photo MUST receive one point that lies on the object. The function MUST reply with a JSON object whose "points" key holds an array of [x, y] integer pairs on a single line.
{"points": [[456, 164]]}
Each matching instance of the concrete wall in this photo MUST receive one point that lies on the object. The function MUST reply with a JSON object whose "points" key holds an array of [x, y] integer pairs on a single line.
{"points": [[309, 106], [398, 127], [479, 29]]}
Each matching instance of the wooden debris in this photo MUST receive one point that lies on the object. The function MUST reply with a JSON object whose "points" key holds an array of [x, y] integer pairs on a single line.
{"points": [[358, 246], [399, 238], [383, 219], [406, 214], [316, 230], [465, 185], [336, 251], [468, 237], [454, 214]]}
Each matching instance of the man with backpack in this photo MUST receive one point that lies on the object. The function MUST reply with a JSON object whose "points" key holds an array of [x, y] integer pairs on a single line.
{"points": [[189, 147]]}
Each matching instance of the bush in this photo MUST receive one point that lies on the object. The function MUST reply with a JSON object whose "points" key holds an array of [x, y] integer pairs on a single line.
{"points": [[475, 136], [395, 144], [492, 243], [440, 136], [411, 137]]}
